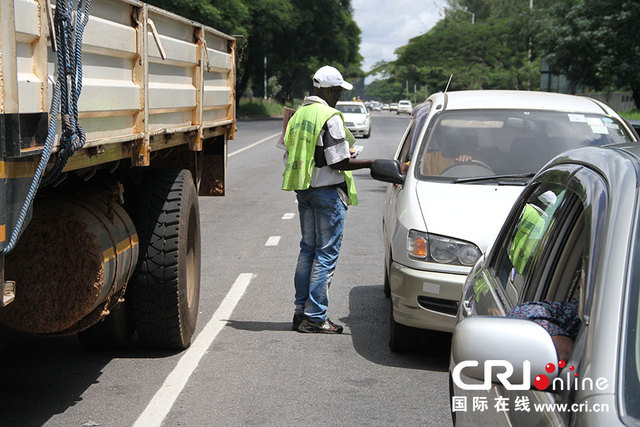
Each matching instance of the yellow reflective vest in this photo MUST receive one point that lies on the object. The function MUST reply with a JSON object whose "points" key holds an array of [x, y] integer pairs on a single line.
{"points": [[300, 139]]}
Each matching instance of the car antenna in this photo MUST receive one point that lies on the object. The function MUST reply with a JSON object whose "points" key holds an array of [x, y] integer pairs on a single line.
{"points": [[448, 83]]}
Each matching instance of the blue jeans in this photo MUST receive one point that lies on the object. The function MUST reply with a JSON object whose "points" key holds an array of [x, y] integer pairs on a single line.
{"points": [[322, 215]]}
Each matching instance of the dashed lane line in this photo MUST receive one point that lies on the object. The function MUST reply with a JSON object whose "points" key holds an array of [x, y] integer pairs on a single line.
{"points": [[273, 241], [161, 403]]}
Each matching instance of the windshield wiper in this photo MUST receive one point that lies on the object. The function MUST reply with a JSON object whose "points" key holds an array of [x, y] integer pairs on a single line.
{"points": [[494, 177]]}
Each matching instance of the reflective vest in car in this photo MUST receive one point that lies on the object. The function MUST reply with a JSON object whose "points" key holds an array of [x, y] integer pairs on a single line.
{"points": [[527, 238], [300, 138]]}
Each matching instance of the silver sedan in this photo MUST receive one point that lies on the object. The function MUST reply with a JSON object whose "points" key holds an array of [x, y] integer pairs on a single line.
{"points": [[549, 320]]}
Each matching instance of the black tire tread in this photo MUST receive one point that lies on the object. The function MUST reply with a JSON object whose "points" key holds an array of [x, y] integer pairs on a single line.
{"points": [[154, 289]]}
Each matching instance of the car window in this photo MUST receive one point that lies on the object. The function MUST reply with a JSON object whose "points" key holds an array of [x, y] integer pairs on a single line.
{"points": [[542, 267], [631, 359], [517, 258], [351, 109], [420, 114], [471, 143]]}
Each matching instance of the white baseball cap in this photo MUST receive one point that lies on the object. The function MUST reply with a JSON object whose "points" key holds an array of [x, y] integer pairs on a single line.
{"points": [[328, 76]]}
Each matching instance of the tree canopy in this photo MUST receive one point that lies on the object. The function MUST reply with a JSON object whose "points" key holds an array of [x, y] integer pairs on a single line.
{"points": [[294, 37], [489, 44], [482, 44], [487, 52], [596, 43]]}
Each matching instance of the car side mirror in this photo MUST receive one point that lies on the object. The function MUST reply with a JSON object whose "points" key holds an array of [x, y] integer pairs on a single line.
{"points": [[515, 350], [387, 170]]}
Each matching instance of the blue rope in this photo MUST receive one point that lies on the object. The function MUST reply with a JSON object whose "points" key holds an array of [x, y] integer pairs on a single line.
{"points": [[73, 135], [69, 72]]}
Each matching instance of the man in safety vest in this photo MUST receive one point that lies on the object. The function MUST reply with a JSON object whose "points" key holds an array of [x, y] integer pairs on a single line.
{"points": [[318, 165]]}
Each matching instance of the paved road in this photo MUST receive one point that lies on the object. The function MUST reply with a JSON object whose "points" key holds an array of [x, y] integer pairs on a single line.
{"points": [[246, 366]]}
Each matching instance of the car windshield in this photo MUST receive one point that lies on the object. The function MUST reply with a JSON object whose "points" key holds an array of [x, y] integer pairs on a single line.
{"points": [[473, 143], [352, 109]]}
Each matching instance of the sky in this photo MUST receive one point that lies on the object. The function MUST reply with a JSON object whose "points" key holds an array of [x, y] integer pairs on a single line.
{"points": [[387, 25]]}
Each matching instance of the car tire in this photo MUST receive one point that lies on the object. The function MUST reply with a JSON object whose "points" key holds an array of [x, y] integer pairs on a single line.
{"points": [[398, 334], [165, 287], [387, 285], [367, 135]]}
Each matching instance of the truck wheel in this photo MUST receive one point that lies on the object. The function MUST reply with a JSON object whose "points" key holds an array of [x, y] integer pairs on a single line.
{"points": [[114, 332], [165, 287]]}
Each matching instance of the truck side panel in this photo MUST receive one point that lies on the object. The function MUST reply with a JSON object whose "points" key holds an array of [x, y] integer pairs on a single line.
{"points": [[146, 72]]}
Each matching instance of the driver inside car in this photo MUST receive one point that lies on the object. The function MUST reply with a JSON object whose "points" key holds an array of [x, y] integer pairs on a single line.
{"points": [[449, 146]]}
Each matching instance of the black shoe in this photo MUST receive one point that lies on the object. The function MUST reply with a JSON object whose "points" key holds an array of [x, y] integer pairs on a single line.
{"points": [[325, 327], [297, 319]]}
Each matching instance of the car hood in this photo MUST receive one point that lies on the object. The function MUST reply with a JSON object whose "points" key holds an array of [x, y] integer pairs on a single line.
{"points": [[471, 212]]}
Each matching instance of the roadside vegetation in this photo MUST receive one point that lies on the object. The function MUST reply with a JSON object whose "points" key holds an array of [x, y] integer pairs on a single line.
{"points": [[259, 108], [478, 44], [509, 44], [631, 115]]}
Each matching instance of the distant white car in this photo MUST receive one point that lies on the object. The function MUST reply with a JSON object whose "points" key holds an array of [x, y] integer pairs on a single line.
{"points": [[356, 117], [393, 106], [463, 161], [404, 106]]}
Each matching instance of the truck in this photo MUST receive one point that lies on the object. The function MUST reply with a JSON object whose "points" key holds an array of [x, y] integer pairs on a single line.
{"points": [[114, 118]]}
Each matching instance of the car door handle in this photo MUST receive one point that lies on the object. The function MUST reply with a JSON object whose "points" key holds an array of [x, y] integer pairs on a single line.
{"points": [[467, 309]]}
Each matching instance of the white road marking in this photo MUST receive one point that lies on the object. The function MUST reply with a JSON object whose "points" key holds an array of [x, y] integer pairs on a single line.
{"points": [[161, 404], [288, 215], [273, 241], [254, 144]]}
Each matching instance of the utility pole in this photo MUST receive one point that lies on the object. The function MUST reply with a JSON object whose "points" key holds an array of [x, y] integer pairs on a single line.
{"points": [[473, 15]]}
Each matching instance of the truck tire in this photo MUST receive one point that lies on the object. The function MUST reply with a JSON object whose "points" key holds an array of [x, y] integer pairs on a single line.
{"points": [[114, 332], [164, 290]]}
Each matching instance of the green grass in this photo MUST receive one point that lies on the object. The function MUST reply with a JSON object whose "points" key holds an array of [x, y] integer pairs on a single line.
{"points": [[631, 114], [259, 107]]}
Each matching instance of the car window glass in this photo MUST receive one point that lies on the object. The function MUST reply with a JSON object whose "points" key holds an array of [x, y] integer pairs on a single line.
{"points": [[517, 258], [469, 143], [351, 109], [631, 359], [420, 114]]}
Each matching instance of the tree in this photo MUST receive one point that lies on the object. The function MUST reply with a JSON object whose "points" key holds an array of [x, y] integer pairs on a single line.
{"points": [[385, 90], [295, 36], [490, 54], [596, 43], [323, 32], [229, 16]]}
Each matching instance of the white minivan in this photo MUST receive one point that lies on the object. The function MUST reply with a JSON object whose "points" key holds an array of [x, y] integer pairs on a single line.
{"points": [[462, 162]]}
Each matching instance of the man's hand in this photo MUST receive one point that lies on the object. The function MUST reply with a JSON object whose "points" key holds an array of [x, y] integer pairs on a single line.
{"points": [[463, 158], [564, 346]]}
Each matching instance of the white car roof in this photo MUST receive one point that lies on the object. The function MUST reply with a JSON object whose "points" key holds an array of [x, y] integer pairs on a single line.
{"points": [[528, 100]]}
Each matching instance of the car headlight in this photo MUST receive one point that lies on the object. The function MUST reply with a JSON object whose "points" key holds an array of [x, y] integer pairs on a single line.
{"points": [[441, 249]]}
